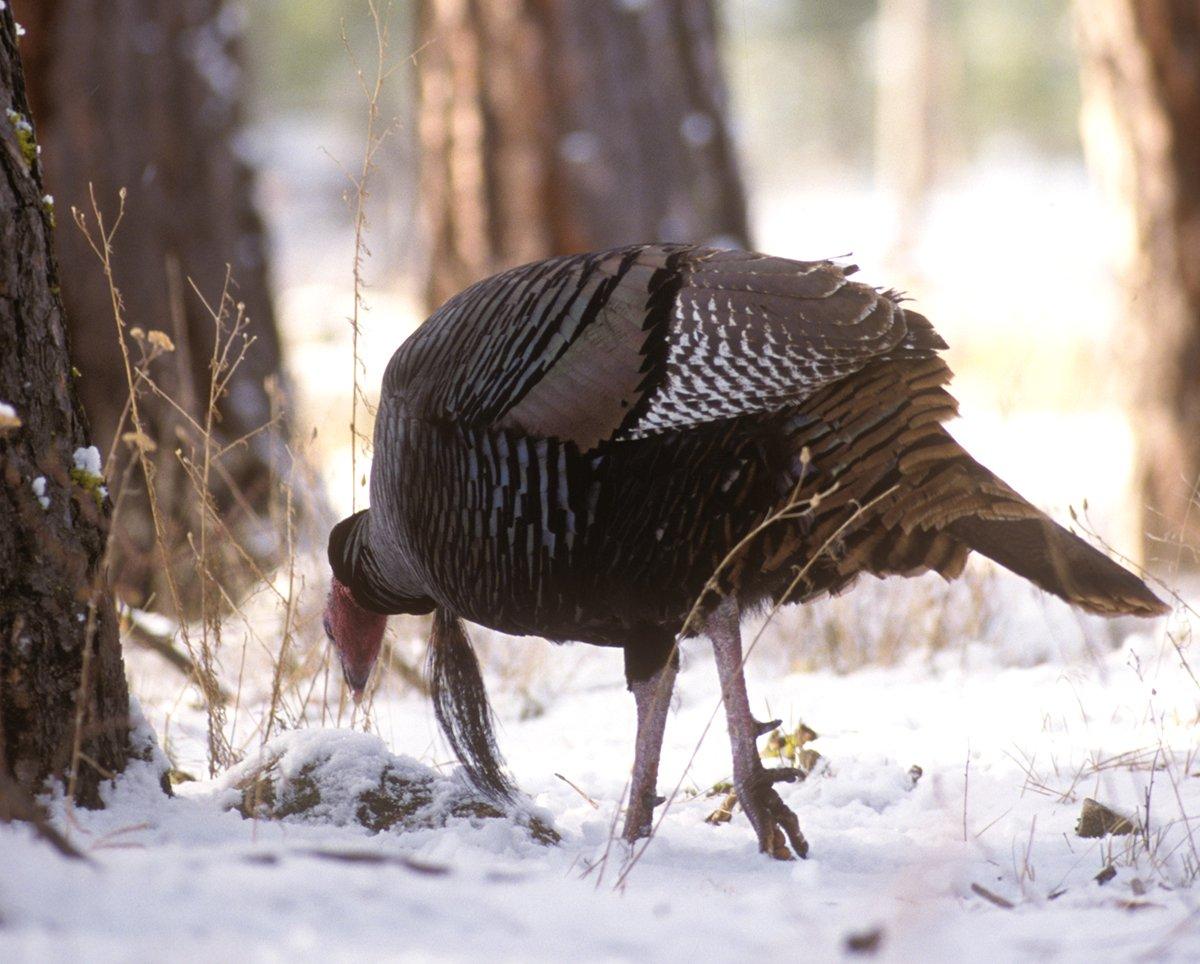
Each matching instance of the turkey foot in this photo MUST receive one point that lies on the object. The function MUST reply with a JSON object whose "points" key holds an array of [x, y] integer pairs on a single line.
{"points": [[774, 824], [639, 816], [773, 821]]}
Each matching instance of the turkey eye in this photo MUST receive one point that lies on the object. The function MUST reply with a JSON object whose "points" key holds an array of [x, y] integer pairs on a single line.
{"points": [[328, 628]]}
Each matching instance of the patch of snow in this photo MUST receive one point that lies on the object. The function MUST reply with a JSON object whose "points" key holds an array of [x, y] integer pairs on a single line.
{"points": [[22, 126], [697, 128], [579, 147], [8, 417], [39, 490], [156, 624], [209, 51], [88, 460], [1007, 753]]}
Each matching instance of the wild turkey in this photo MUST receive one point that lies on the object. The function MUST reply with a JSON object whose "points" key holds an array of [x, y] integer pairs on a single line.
{"points": [[630, 446]]}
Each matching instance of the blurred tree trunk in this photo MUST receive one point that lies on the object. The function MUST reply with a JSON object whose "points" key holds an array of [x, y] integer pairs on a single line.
{"points": [[556, 126], [144, 95], [58, 631], [1141, 126], [905, 145]]}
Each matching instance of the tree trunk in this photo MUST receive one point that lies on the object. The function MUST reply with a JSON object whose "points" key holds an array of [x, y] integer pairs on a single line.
{"points": [[557, 126], [144, 95], [905, 145], [1141, 126], [61, 675]]}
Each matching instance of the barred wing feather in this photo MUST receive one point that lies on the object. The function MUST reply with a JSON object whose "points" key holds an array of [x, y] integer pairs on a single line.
{"points": [[646, 340]]}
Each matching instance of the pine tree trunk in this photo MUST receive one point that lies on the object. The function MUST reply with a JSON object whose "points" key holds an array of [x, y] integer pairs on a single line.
{"points": [[905, 140], [1141, 124], [144, 95], [557, 126], [61, 673]]}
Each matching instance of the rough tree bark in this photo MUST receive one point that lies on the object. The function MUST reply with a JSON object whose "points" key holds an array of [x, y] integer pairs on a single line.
{"points": [[555, 126], [144, 95], [1141, 126], [60, 661]]}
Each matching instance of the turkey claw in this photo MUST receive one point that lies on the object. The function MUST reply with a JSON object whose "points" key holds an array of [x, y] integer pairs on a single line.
{"points": [[773, 775], [774, 823], [762, 729]]}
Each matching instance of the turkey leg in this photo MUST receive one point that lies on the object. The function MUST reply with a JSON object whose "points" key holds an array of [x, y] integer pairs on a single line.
{"points": [[653, 698], [775, 825]]}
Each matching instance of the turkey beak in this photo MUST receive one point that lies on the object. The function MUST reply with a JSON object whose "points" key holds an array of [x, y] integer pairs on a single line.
{"points": [[356, 678]]}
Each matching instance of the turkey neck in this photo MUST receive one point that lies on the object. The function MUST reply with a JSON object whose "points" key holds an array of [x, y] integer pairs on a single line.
{"points": [[371, 571]]}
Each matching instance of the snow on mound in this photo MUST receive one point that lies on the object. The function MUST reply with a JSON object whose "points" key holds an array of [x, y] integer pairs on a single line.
{"points": [[341, 777]]}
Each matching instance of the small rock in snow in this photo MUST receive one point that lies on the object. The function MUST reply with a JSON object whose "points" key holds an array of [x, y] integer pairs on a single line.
{"points": [[339, 777], [1097, 820]]}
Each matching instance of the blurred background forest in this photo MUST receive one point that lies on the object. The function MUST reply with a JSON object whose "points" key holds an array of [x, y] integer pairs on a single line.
{"points": [[254, 202], [1004, 162], [937, 143]]}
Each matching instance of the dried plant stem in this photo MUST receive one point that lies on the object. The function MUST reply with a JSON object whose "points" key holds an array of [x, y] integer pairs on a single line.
{"points": [[100, 241], [230, 346], [288, 620], [375, 136]]}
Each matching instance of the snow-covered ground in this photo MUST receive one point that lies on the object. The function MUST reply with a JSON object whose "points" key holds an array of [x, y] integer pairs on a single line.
{"points": [[978, 858], [1014, 709]]}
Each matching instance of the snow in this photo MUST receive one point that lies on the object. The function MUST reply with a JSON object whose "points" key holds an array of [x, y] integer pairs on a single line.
{"points": [[1008, 747], [39, 490], [19, 123], [697, 128], [88, 460], [1014, 708], [579, 147], [8, 417]]}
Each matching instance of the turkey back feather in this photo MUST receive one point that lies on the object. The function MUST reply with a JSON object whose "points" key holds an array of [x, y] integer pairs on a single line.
{"points": [[647, 340]]}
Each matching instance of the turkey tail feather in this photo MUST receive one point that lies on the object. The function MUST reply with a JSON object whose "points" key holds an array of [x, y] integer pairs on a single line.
{"points": [[460, 703], [1059, 562]]}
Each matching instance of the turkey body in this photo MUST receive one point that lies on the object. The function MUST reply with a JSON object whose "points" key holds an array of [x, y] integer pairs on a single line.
{"points": [[600, 508], [608, 447]]}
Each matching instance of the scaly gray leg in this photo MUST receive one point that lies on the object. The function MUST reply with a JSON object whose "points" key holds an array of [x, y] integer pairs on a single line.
{"points": [[770, 817], [653, 697]]}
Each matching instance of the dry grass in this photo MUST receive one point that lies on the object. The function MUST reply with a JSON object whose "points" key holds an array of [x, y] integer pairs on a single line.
{"points": [[253, 655], [216, 553]]}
